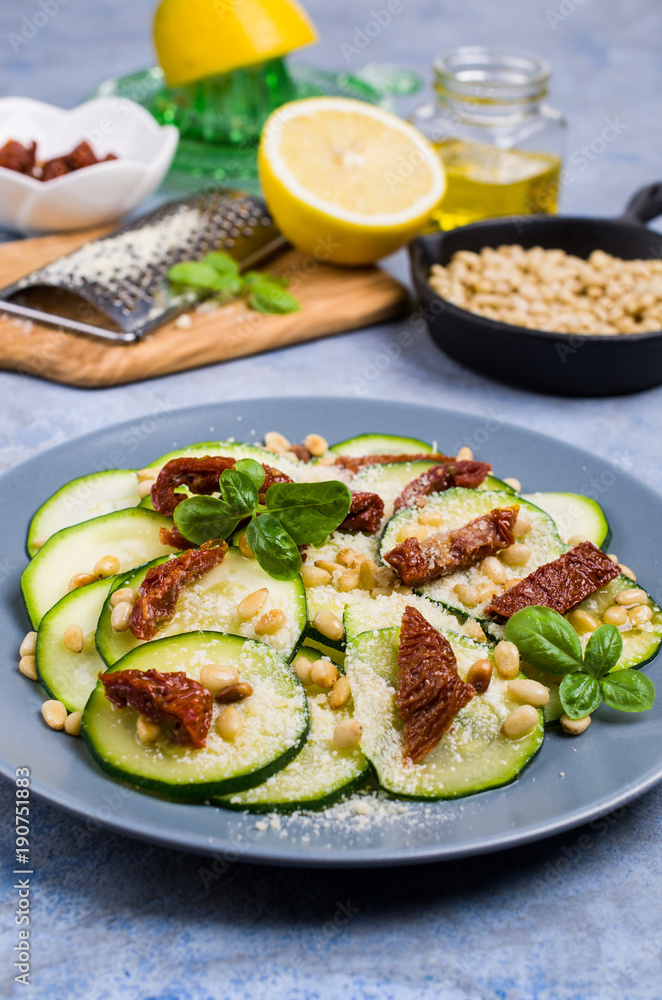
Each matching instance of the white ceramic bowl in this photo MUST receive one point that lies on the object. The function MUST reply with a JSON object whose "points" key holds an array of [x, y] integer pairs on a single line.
{"points": [[93, 195]]}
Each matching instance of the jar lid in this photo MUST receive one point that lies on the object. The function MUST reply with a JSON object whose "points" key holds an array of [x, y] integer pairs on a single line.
{"points": [[485, 75]]}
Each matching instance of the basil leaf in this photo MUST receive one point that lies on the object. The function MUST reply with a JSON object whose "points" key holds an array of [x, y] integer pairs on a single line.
{"points": [[580, 695], [197, 274], [628, 690], [273, 548], [202, 518], [545, 639], [309, 512], [269, 298], [254, 278], [222, 263], [239, 492], [249, 467], [603, 650]]}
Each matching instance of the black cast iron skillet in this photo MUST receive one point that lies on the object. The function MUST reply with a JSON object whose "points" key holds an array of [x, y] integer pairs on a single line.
{"points": [[561, 363]]}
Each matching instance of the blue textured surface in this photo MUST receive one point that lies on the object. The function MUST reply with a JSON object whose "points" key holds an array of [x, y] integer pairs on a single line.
{"points": [[560, 920]]}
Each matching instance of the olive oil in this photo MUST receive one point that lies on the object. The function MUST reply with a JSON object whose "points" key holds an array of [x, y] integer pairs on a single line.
{"points": [[483, 181]]}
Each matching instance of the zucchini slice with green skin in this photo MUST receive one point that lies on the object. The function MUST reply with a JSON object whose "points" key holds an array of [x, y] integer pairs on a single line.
{"points": [[275, 721], [459, 506], [380, 444], [210, 604], [641, 643], [472, 756], [574, 514], [386, 611], [131, 535], [319, 775], [230, 449], [71, 677], [82, 499]]}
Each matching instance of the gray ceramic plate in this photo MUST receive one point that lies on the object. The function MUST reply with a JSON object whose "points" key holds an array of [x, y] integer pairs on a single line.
{"points": [[570, 782]]}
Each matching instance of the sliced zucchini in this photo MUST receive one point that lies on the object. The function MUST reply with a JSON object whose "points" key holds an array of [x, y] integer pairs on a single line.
{"points": [[380, 444], [275, 719], [386, 611], [641, 643], [574, 514], [230, 449], [471, 757], [210, 603], [81, 499], [318, 775], [131, 535], [70, 677], [458, 507]]}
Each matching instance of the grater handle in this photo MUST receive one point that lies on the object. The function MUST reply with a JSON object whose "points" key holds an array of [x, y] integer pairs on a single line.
{"points": [[72, 325]]}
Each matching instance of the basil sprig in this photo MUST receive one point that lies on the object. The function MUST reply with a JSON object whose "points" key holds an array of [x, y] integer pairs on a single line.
{"points": [[547, 641], [218, 273], [292, 514]]}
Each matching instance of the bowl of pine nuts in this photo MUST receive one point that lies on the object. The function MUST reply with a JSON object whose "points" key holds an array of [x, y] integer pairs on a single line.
{"points": [[569, 306]]}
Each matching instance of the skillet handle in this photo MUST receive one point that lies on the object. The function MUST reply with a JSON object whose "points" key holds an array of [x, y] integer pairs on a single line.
{"points": [[645, 205]]}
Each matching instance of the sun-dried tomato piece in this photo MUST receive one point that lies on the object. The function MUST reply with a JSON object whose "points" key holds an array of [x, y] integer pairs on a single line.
{"points": [[365, 513], [561, 584], [443, 553], [442, 477], [164, 697], [82, 156], [355, 463], [163, 584], [200, 476], [430, 690], [15, 156], [174, 538], [301, 452]]}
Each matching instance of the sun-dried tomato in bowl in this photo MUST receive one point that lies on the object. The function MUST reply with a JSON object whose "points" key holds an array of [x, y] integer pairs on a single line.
{"points": [[23, 160]]}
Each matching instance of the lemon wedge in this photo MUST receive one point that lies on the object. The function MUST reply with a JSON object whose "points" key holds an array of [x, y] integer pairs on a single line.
{"points": [[346, 181], [195, 39]]}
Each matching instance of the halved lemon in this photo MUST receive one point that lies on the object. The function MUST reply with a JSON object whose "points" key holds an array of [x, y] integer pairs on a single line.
{"points": [[346, 181], [195, 39]]}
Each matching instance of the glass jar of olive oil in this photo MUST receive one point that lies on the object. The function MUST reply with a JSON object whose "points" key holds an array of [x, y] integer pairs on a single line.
{"points": [[500, 143]]}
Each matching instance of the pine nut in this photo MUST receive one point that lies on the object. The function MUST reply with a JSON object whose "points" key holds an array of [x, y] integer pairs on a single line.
{"points": [[145, 488], [431, 517], [474, 631], [245, 548], [81, 580], [323, 673], [340, 693], [252, 604], [632, 596], [218, 676], [235, 692], [347, 734], [329, 625], [73, 638], [640, 614], [577, 540], [581, 621], [614, 558], [39, 542], [522, 526], [349, 580], [72, 723], [465, 454], [327, 566], [127, 595], [467, 594], [314, 576], [529, 692], [302, 668], [380, 592], [521, 721], [479, 675], [506, 659], [270, 622], [120, 617], [626, 571], [29, 645], [316, 444], [509, 584], [418, 531], [493, 568], [54, 714], [575, 727], [327, 460], [273, 441], [28, 667], [346, 557], [615, 615], [146, 730], [144, 474], [107, 566], [229, 724], [515, 483], [486, 592], [516, 555], [367, 574]]}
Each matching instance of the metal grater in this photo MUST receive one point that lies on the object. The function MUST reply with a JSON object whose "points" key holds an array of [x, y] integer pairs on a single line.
{"points": [[116, 287]]}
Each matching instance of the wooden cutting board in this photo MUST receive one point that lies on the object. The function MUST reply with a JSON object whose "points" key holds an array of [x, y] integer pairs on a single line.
{"points": [[333, 300]]}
